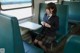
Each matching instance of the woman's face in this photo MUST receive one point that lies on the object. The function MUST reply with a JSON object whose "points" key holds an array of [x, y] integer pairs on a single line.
{"points": [[49, 11]]}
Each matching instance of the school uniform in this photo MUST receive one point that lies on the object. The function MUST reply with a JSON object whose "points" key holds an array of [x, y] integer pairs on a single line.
{"points": [[49, 34]]}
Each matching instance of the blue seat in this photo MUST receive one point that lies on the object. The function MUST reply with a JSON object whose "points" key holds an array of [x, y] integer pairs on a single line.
{"points": [[74, 11], [72, 45], [75, 0], [62, 12], [10, 37], [31, 49]]}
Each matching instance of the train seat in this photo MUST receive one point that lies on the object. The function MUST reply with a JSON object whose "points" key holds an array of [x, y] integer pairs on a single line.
{"points": [[74, 11], [72, 45], [62, 12], [10, 37]]}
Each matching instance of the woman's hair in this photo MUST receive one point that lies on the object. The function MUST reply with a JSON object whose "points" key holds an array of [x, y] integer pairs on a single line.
{"points": [[52, 6]]}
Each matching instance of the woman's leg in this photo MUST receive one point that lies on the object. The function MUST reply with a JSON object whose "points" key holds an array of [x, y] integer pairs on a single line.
{"points": [[35, 41], [41, 45]]}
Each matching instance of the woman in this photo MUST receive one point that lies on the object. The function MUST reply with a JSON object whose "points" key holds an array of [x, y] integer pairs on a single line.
{"points": [[50, 24]]}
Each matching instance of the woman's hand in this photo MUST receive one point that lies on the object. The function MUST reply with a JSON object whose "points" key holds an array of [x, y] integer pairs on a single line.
{"points": [[47, 25], [43, 23]]}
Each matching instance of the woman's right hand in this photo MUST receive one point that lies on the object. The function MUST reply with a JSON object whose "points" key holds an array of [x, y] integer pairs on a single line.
{"points": [[43, 23]]}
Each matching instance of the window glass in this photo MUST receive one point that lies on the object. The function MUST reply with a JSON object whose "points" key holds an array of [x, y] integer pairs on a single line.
{"points": [[48, 1], [18, 8]]}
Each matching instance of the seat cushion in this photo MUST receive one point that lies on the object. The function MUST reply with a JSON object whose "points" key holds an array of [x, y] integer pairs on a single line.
{"points": [[31, 48], [72, 45]]}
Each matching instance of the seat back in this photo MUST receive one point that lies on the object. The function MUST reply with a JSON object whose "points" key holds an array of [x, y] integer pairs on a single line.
{"points": [[72, 45], [75, 0], [74, 10], [62, 11], [10, 38]]}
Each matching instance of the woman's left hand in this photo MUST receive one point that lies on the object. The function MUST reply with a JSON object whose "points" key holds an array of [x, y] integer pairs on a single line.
{"points": [[47, 25]]}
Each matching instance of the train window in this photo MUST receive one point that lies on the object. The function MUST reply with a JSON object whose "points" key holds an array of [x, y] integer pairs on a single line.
{"points": [[18, 8], [48, 1], [66, 0]]}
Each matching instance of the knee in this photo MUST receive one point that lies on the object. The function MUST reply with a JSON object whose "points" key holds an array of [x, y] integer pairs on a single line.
{"points": [[35, 41], [40, 42]]}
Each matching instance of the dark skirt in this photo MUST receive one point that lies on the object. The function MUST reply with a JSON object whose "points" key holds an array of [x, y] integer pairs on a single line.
{"points": [[46, 39], [46, 35]]}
